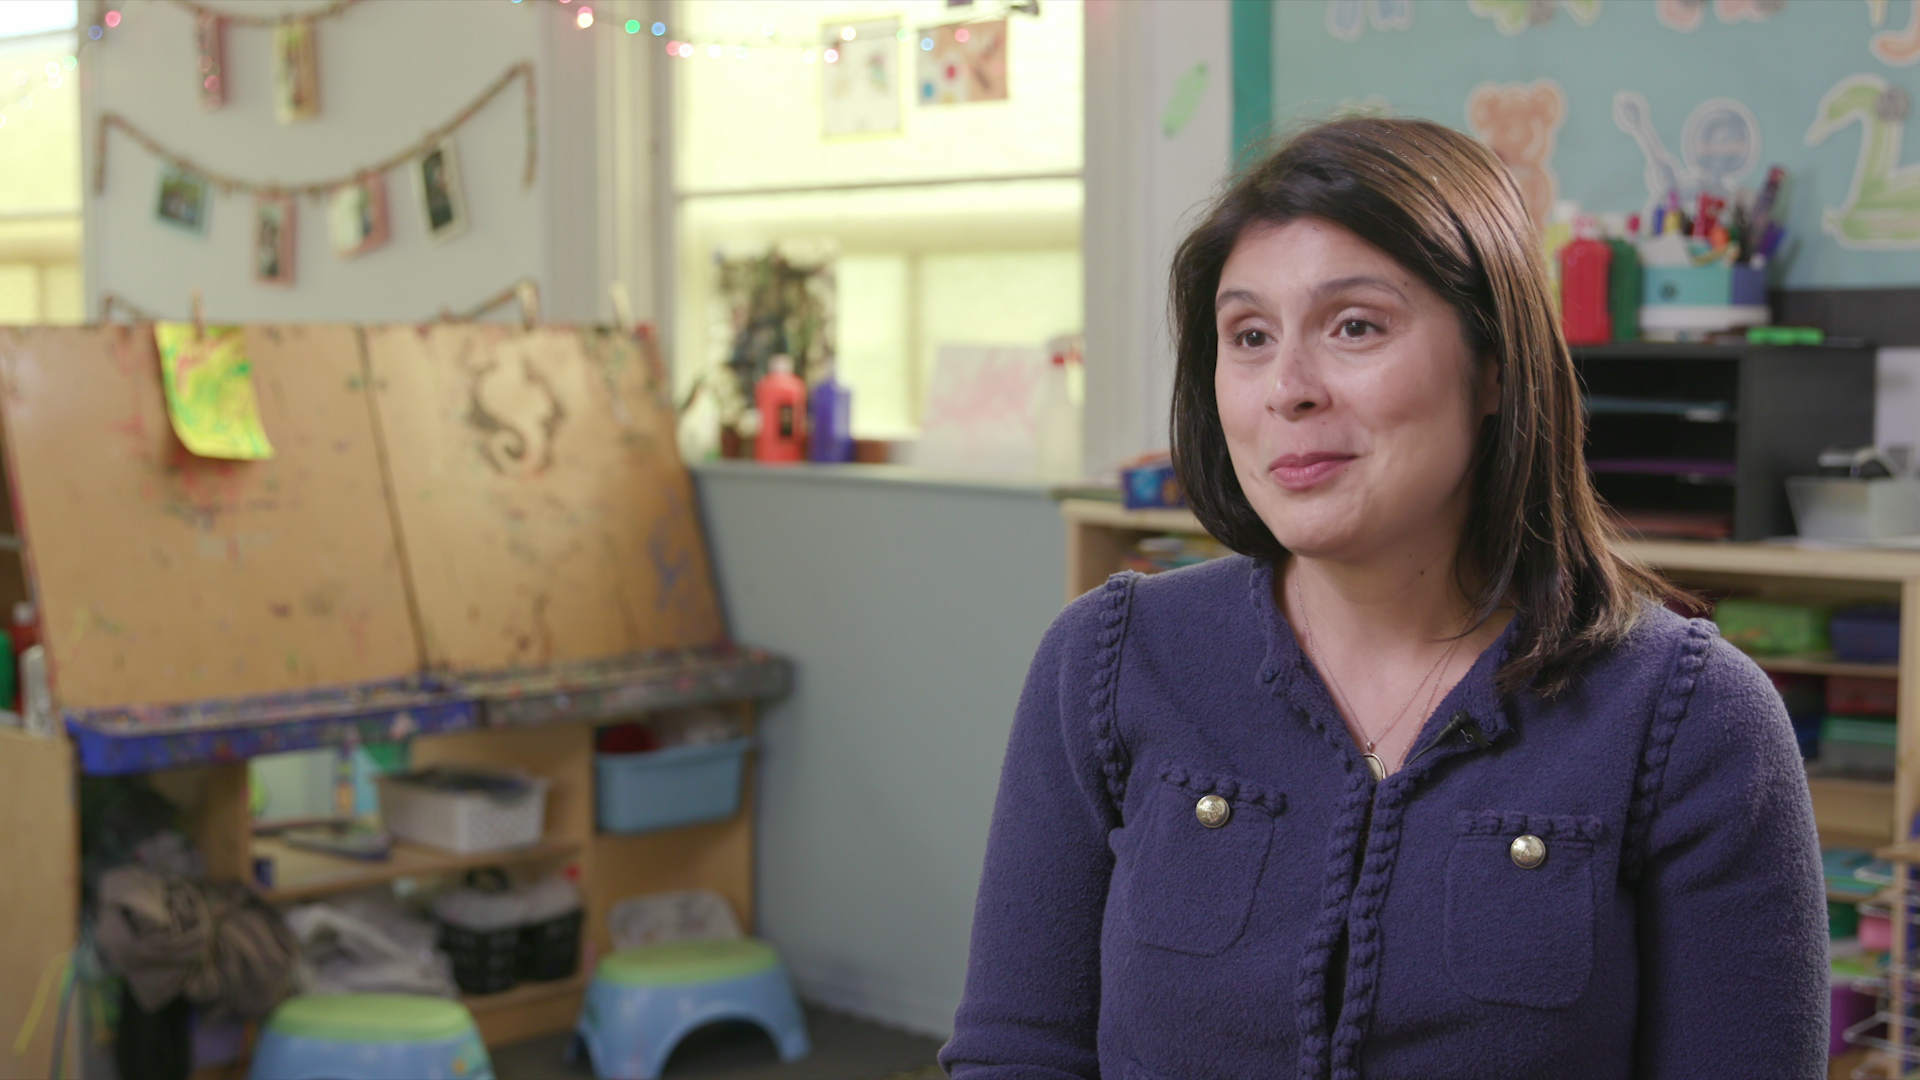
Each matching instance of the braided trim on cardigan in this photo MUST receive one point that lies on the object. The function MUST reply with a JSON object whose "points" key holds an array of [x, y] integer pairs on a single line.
{"points": [[1231, 788], [1116, 602], [1671, 707], [1592, 830]]}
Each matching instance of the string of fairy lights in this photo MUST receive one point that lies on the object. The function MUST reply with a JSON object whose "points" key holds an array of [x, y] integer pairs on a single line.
{"points": [[694, 44], [19, 92], [20, 89]]}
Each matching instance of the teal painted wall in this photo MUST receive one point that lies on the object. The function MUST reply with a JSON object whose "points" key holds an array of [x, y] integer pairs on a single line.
{"points": [[1854, 211]]}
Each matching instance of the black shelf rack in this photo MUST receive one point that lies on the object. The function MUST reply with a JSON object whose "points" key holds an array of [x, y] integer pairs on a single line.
{"points": [[1698, 440]]}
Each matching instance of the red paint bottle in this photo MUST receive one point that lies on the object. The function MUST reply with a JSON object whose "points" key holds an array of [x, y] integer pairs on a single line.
{"points": [[781, 399], [1585, 265]]}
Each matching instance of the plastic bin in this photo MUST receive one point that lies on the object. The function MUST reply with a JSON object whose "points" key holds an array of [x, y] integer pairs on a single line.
{"points": [[484, 961], [550, 949], [665, 789], [1859, 746], [1867, 635], [1846, 508], [1763, 627], [1857, 695], [430, 808]]}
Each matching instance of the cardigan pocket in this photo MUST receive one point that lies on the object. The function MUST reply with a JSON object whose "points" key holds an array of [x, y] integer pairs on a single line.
{"points": [[1520, 913], [1185, 886]]}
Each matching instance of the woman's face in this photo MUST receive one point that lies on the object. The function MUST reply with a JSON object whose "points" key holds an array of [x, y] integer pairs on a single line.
{"points": [[1347, 393]]}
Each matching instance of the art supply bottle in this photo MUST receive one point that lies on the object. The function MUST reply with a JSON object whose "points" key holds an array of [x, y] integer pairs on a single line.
{"points": [[1558, 233], [781, 400], [23, 633], [1057, 414], [1624, 280], [1585, 265], [830, 420]]}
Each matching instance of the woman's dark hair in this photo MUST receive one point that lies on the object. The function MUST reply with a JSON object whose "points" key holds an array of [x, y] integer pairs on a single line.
{"points": [[1446, 209]]}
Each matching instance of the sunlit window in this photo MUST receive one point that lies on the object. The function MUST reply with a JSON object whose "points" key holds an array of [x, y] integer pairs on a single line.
{"points": [[927, 180], [40, 278]]}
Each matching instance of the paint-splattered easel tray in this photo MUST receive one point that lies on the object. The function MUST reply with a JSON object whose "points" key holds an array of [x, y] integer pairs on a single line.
{"points": [[144, 738], [629, 685]]}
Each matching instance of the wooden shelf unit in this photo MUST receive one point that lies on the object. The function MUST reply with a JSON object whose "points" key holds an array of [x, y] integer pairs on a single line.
{"points": [[299, 874], [1854, 813]]}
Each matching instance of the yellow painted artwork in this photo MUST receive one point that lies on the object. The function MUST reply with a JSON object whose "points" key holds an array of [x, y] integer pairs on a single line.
{"points": [[209, 387]]}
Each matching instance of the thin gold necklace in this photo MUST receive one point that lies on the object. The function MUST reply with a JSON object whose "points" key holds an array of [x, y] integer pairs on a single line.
{"points": [[1375, 764]]}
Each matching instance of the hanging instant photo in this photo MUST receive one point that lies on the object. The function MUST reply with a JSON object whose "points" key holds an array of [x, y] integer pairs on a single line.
{"points": [[861, 94], [436, 180], [357, 215], [183, 200], [210, 48], [273, 222], [296, 72], [968, 62]]}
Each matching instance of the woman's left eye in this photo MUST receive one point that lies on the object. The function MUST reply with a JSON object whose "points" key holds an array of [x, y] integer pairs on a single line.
{"points": [[1355, 329]]}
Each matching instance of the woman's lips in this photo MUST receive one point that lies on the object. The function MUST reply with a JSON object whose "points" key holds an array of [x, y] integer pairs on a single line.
{"points": [[1298, 472]]}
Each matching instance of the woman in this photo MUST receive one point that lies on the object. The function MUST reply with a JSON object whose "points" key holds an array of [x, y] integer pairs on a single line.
{"points": [[1426, 783]]}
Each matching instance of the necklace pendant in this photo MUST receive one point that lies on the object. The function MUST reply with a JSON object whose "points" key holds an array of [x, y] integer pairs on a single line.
{"points": [[1375, 766]]}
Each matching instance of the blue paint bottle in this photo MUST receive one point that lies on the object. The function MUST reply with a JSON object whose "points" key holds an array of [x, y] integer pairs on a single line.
{"points": [[830, 412]]}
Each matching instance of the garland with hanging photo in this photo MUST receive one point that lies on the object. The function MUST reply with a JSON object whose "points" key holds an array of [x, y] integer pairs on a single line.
{"points": [[228, 184]]}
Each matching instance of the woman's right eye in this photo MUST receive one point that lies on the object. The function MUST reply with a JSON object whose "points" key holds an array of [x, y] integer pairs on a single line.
{"points": [[1252, 339]]}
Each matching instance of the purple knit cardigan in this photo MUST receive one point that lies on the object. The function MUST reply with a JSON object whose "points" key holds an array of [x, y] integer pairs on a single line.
{"points": [[1335, 927]]}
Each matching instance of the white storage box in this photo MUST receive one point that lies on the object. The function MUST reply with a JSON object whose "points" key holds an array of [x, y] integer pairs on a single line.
{"points": [[465, 810], [1845, 508]]}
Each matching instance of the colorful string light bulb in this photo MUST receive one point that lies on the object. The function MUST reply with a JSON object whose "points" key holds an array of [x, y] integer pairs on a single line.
{"points": [[69, 61], [584, 19], [633, 26], [846, 33], [659, 29], [831, 56], [112, 19], [961, 35], [94, 31], [713, 52], [686, 50], [926, 44]]}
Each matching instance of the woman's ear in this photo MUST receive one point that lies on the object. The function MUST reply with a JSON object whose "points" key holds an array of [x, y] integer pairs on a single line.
{"points": [[1487, 386]]}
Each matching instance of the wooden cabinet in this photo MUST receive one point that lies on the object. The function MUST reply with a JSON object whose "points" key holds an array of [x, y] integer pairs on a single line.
{"points": [[1853, 813]]}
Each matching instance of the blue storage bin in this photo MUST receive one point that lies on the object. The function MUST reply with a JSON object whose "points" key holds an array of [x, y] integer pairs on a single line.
{"points": [[1869, 634], [665, 789]]}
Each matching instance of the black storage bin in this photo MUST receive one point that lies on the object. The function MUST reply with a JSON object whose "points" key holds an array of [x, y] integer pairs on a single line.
{"points": [[549, 950], [484, 961]]}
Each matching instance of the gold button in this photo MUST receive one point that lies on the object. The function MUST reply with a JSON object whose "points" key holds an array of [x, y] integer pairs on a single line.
{"points": [[1213, 811], [1528, 851]]}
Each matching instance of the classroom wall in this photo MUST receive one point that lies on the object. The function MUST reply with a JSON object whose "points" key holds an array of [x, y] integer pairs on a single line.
{"points": [[910, 609], [1604, 102], [390, 71], [1158, 133]]}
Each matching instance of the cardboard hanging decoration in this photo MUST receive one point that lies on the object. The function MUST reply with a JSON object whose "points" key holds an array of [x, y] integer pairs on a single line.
{"points": [[357, 215], [274, 218], [296, 72], [210, 48], [208, 382]]}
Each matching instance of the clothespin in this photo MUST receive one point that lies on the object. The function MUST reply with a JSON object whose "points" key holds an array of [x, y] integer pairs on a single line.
{"points": [[199, 315], [528, 291], [622, 306]]}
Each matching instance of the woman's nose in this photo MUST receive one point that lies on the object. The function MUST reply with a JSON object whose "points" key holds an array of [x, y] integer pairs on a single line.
{"points": [[1297, 390]]}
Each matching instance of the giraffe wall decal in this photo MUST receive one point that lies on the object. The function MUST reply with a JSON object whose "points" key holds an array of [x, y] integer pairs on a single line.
{"points": [[1882, 209]]}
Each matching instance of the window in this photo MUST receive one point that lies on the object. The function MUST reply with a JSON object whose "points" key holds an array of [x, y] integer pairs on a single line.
{"points": [[963, 226], [39, 164]]}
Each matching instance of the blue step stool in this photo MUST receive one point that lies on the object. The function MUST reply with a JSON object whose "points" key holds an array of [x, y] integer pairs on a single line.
{"points": [[370, 1037], [643, 1001]]}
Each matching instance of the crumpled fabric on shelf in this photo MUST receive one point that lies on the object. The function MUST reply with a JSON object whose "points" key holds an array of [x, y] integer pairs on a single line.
{"points": [[214, 943], [368, 943]]}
